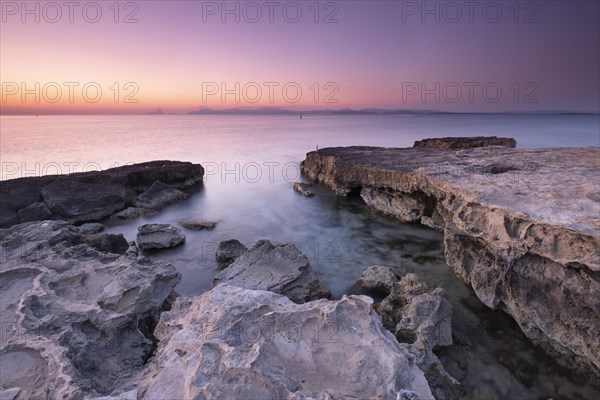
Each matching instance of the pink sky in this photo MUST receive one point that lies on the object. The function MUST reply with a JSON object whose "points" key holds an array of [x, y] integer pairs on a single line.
{"points": [[375, 55]]}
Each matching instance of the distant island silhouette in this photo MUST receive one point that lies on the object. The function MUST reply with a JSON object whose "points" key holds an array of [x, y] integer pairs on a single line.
{"points": [[350, 111]]}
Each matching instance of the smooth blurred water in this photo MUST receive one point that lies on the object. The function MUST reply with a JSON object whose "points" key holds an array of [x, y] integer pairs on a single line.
{"points": [[251, 163]]}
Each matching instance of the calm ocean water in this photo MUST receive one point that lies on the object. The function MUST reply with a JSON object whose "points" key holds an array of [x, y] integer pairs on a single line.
{"points": [[251, 163]]}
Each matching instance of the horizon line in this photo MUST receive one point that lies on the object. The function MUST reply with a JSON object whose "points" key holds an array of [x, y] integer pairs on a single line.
{"points": [[286, 112]]}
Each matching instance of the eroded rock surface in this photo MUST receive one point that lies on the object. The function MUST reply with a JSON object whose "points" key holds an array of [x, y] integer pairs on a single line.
{"points": [[279, 268], [421, 319], [521, 227], [234, 342], [76, 322], [97, 194]]}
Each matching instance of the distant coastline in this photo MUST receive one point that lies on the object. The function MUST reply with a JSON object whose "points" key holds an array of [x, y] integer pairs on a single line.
{"points": [[366, 111], [320, 112]]}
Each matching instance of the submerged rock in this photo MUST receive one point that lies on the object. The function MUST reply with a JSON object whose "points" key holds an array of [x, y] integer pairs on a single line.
{"points": [[378, 279], [303, 189], [228, 251], [197, 225], [76, 322], [521, 226], [159, 236], [234, 342], [279, 268]]}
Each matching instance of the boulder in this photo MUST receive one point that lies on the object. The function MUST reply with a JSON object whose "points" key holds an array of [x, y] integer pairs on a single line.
{"points": [[234, 342], [159, 236], [78, 201], [228, 251], [76, 322], [303, 189], [34, 212], [159, 196], [465, 142], [197, 225], [279, 268], [377, 279], [107, 242]]}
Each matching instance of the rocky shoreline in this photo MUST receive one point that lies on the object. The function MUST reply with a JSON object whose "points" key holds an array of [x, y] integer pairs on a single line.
{"points": [[521, 226], [85, 315], [80, 323]]}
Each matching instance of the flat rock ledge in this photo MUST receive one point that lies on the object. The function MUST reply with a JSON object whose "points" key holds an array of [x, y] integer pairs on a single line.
{"points": [[141, 188], [521, 226]]}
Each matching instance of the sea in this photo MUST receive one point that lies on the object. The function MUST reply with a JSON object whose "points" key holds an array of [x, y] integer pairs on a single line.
{"points": [[251, 163]]}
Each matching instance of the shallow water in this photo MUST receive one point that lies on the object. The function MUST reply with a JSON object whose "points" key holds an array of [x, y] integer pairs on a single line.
{"points": [[341, 237], [251, 163]]}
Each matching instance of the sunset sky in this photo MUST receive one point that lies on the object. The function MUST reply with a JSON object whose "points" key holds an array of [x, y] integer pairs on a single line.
{"points": [[179, 56]]}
